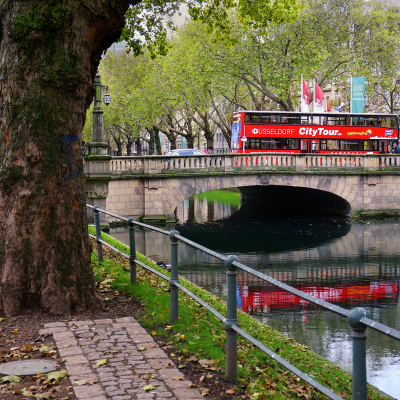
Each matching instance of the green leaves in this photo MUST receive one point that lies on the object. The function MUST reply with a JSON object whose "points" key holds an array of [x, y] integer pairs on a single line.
{"points": [[148, 21], [56, 376]]}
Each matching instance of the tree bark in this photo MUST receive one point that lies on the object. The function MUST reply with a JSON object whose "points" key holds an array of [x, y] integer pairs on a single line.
{"points": [[49, 54]]}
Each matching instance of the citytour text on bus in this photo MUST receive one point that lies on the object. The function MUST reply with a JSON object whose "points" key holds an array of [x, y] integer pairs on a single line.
{"points": [[326, 133]]}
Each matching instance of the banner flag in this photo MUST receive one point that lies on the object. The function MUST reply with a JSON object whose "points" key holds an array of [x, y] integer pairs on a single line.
{"points": [[305, 98], [318, 98], [328, 106], [357, 94]]}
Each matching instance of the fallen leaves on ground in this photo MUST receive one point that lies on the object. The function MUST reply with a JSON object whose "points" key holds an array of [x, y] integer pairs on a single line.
{"points": [[147, 388]]}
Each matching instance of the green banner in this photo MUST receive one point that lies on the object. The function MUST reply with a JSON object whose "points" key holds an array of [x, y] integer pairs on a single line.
{"points": [[357, 94]]}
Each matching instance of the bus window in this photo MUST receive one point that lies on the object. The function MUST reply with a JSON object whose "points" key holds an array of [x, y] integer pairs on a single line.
{"points": [[345, 120], [304, 119], [315, 146], [351, 145], [332, 144], [388, 122], [331, 120], [329, 144], [369, 145], [270, 144], [252, 119], [383, 147], [269, 119], [355, 120], [253, 144], [370, 121], [265, 118], [293, 119], [316, 119], [304, 146], [293, 144]]}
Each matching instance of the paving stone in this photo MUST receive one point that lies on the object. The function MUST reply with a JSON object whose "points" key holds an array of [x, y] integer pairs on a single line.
{"points": [[79, 359], [89, 391], [80, 323], [142, 339], [188, 394], [110, 389], [118, 392], [155, 353], [125, 319], [70, 351], [50, 331], [88, 377], [125, 385], [68, 342], [136, 330], [107, 382], [106, 321], [78, 369]]}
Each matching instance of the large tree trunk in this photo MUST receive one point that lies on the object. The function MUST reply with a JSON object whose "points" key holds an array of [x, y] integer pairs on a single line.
{"points": [[49, 54]]}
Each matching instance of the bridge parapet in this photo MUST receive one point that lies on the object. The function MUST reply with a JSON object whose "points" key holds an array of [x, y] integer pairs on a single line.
{"points": [[246, 162]]}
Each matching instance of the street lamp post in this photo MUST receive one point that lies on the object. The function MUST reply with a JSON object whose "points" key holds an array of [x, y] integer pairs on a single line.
{"points": [[97, 168], [98, 144]]}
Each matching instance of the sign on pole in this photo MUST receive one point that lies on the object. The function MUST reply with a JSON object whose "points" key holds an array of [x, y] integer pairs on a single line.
{"points": [[357, 94]]}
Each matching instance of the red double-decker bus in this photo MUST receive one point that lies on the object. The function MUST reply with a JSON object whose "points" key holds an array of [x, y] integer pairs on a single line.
{"points": [[329, 133]]}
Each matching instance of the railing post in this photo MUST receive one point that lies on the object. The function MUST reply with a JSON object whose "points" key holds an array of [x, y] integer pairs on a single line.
{"points": [[359, 335], [231, 319], [98, 233], [174, 313], [132, 251]]}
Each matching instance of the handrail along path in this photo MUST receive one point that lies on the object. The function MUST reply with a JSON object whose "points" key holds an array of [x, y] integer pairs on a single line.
{"points": [[357, 317]]}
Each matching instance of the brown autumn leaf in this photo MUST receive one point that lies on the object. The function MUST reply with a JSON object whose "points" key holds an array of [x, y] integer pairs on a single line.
{"points": [[206, 363], [205, 391], [230, 391], [178, 378]]}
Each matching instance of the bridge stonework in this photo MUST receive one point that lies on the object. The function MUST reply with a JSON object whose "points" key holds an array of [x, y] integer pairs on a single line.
{"points": [[153, 187]]}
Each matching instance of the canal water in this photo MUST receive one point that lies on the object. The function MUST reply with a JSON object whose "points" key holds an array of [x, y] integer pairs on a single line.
{"points": [[348, 263]]}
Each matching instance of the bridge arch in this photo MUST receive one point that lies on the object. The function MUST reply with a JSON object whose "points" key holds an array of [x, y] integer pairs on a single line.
{"points": [[336, 195]]}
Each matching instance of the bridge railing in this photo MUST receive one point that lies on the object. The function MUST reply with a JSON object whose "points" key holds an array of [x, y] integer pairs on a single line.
{"points": [[357, 317], [256, 161]]}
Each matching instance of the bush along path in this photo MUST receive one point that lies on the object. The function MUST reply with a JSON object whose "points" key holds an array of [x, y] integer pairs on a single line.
{"points": [[197, 340]]}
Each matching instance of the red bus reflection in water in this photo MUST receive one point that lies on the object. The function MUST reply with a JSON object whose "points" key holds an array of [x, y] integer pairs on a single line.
{"points": [[261, 299]]}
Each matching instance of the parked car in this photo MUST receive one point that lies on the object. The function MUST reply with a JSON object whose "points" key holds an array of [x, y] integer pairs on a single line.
{"points": [[185, 152]]}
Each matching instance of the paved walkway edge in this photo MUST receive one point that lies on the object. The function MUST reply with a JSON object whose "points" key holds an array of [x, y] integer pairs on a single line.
{"points": [[117, 359]]}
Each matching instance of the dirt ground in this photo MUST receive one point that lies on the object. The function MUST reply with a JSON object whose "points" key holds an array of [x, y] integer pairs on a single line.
{"points": [[20, 339]]}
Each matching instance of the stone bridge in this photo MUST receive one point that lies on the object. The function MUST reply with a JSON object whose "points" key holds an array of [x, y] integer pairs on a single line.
{"points": [[151, 187]]}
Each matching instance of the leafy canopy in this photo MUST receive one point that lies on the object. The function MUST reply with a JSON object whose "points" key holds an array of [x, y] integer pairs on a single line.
{"points": [[148, 21]]}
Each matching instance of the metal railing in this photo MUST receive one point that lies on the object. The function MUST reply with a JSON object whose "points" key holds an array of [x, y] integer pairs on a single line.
{"points": [[357, 317]]}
